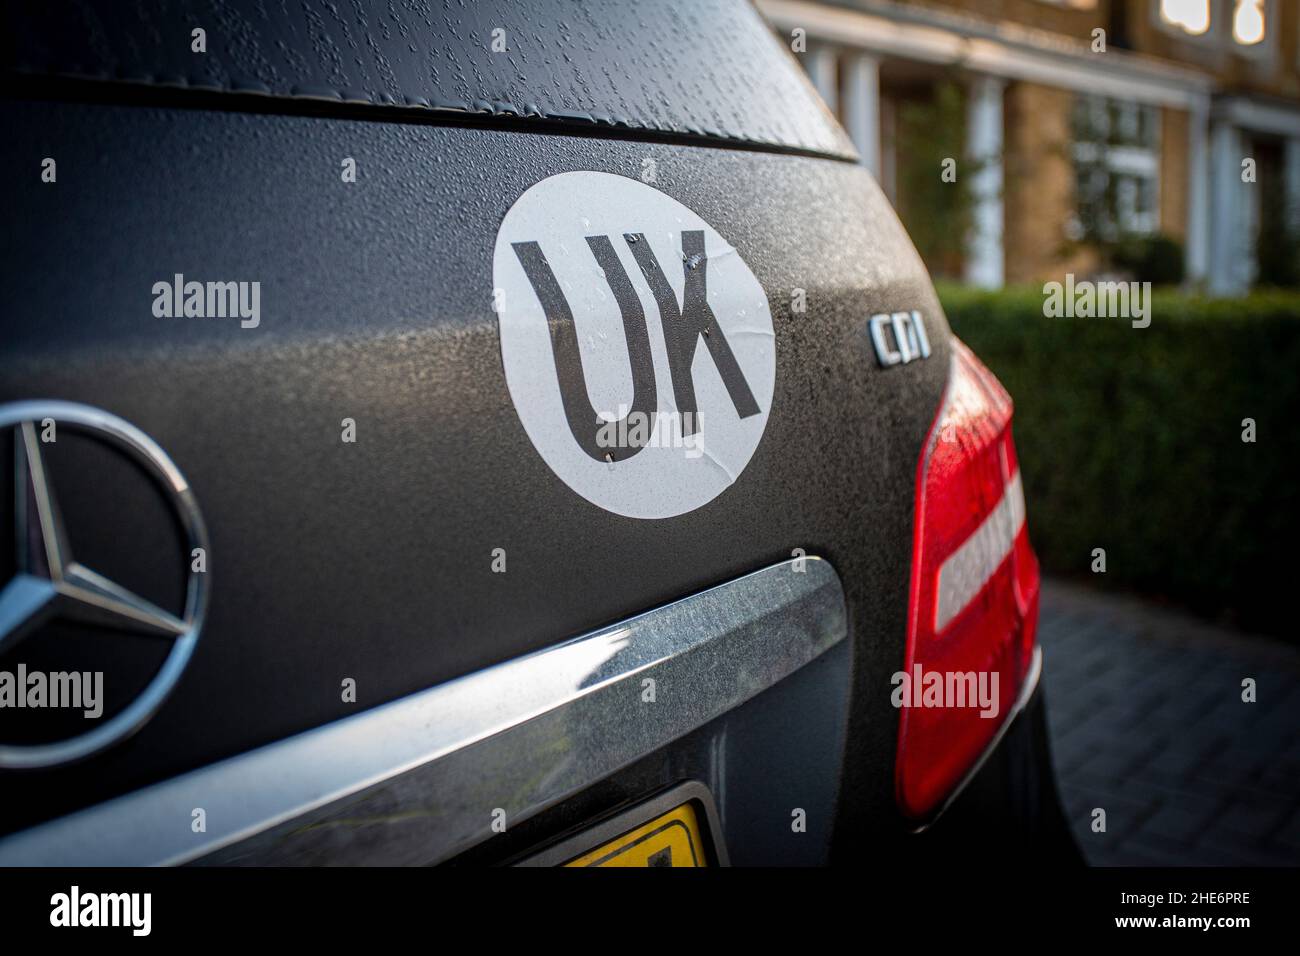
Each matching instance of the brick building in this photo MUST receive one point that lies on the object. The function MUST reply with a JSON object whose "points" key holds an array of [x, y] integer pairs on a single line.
{"points": [[1077, 123]]}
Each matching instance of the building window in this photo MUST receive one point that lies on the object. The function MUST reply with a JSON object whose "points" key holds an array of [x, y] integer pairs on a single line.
{"points": [[1190, 16], [1248, 23], [1237, 26], [1116, 148]]}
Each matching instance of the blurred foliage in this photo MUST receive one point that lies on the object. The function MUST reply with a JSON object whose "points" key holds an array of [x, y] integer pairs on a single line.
{"points": [[1131, 440], [1277, 248], [1155, 259], [940, 214]]}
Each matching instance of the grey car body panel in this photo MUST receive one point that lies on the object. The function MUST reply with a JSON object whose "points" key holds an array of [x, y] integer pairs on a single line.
{"points": [[373, 561]]}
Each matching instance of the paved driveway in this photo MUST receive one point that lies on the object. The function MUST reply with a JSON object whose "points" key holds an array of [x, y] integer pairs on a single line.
{"points": [[1147, 722]]}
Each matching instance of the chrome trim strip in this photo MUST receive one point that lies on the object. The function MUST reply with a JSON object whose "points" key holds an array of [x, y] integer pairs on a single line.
{"points": [[519, 737], [1027, 689]]}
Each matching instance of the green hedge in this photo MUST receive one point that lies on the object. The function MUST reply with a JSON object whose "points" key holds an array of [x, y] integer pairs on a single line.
{"points": [[1131, 440]]}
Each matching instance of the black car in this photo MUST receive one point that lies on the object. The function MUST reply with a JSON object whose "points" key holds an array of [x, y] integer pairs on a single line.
{"points": [[483, 434]]}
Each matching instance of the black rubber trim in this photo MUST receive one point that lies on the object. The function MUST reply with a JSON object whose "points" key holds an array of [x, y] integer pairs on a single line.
{"points": [[708, 70], [78, 89]]}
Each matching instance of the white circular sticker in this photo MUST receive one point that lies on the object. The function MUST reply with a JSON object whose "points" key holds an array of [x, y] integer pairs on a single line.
{"points": [[638, 346]]}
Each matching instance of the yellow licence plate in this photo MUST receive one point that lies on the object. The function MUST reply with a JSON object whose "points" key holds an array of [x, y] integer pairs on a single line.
{"points": [[673, 839]]}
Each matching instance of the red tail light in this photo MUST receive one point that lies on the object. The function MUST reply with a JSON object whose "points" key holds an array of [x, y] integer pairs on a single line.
{"points": [[974, 601]]}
